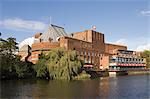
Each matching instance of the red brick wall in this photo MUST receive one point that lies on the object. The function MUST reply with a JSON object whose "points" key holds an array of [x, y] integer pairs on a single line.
{"points": [[37, 48], [89, 49], [104, 61], [45, 45], [35, 56], [110, 48]]}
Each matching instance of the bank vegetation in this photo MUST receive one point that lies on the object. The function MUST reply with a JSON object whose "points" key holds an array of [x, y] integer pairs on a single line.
{"points": [[57, 64]]}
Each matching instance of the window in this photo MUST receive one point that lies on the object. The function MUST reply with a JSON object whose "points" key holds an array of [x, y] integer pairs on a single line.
{"points": [[127, 59]]}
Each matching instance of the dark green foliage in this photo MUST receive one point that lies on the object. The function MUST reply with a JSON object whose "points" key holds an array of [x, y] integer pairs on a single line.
{"points": [[41, 68], [10, 64], [24, 70]]}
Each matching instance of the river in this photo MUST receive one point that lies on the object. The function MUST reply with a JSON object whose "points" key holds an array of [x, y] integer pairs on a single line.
{"points": [[122, 87]]}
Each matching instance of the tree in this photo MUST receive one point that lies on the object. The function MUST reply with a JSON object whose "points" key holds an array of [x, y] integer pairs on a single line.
{"points": [[11, 66], [59, 63], [63, 64], [8, 46], [146, 54], [41, 68], [7, 58]]}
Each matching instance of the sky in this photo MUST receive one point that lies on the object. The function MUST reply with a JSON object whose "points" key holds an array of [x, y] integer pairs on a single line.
{"points": [[122, 21]]}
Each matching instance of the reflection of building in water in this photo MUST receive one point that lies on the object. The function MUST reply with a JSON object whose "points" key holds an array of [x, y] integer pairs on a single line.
{"points": [[104, 87], [89, 44], [91, 89]]}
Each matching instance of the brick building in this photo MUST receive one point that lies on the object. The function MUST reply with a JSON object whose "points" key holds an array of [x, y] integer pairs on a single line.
{"points": [[89, 44]]}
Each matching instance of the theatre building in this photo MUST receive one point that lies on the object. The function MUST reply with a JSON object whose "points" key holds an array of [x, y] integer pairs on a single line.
{"points": [[89, 44]]}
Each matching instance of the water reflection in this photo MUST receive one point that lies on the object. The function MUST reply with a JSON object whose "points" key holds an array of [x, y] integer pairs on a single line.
{"points": [[53, 89], [125, 87]]}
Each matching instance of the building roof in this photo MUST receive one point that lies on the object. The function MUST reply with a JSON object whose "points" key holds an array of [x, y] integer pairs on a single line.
{"points": [[53, 32]]}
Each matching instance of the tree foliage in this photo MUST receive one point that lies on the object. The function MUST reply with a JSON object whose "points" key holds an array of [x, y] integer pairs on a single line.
{"points": [[59, 63], [146, 54], [40, 67], [10, 64]]}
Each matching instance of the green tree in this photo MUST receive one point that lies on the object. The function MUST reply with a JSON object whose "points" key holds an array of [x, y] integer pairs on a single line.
{"points": [[60, 64], [41, 68], [8, 46], [63, 64], [146, 54], [7, 57], [10, 64]]}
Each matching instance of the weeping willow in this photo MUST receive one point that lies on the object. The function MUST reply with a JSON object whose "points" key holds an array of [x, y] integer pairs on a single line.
{"points": [[61, 64]]}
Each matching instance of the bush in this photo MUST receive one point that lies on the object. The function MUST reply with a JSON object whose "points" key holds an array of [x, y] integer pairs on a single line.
{"points": [[82, 75]]}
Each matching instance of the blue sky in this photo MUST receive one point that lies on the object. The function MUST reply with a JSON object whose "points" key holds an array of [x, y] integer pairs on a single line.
{"points": [[122, 21]]}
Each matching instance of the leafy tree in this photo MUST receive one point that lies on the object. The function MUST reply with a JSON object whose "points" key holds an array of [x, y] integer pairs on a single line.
{"points": [[59, 64], [23, 69], [63, 64], [41, 68], [146, 54], [10, 64], [7, 47]]}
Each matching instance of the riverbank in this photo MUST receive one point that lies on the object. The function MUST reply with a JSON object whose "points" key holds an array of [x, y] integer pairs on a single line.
{"points": [[138, 72], [96, 74]]}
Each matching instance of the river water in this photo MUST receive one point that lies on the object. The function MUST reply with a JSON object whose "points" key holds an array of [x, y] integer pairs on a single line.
{"points": [[122, 87]]}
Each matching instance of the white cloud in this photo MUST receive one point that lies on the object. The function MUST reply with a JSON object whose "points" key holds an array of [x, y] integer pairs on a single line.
{"points": [[29, 41], [121, 41], [143, 47], [20, 24], [145, 13]]}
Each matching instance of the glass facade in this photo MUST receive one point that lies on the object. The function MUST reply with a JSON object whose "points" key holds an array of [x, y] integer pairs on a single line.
{"points": [[124, 63]]}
